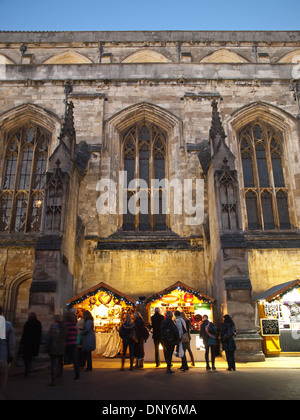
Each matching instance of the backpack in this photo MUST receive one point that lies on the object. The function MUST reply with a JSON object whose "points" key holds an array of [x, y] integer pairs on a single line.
{"points": [[167, 334]]}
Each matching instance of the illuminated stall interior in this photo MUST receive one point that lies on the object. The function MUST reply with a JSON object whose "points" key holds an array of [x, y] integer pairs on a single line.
{"points": [[107, 306], [281, 304], [184, 298]]}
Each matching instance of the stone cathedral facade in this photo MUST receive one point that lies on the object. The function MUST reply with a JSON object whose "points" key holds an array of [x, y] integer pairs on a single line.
{"points": [[213, 114]]}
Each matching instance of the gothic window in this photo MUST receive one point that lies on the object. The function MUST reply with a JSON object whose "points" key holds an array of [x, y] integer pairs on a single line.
{"points": [[144, 155], [266, 194], [23, 179]]}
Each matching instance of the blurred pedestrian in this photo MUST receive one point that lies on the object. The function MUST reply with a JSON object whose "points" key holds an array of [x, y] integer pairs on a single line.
{"points": [[228, 333], [88, 339], [188, 345], [71, 342], [55, 347], [156, 321], [30, 341], [7, 348], [127, 332], [169, 338]]}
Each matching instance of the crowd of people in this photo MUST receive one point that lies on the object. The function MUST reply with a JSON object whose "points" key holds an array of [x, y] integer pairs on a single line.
{"points": [[73, 340], [173, 332]]}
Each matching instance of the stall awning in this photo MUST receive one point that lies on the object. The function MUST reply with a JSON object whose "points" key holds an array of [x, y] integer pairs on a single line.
{"points": [[181, 286], [277, 290], [96, 289]]}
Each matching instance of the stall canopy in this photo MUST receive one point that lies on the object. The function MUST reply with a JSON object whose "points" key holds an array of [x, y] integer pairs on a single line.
{"points": [[277, 291], [180, 286], [110, 292]]}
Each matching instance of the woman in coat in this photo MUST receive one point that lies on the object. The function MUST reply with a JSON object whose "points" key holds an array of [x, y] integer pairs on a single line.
{"points": [[88, 339], [126, 331], [228, 333]]}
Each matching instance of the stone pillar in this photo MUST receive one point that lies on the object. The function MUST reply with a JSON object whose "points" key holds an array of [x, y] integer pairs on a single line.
{"points": [[227, 246]]}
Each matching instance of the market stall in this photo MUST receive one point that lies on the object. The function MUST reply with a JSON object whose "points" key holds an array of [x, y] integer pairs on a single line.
{"points": [[279, 318], [108, 308], [186, 299]]}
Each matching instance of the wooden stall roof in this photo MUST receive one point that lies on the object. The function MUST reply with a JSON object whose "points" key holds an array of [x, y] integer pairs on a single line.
{"points": [[180, 285], [95, 289], [277, 290]]}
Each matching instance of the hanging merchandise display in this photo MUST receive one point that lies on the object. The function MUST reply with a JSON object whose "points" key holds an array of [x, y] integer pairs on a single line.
{"points": [[108, 308], [279, 318], [183, 298]]}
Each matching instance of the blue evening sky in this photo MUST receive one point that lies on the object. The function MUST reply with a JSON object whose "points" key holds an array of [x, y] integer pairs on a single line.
{"points": [[131, 15]]}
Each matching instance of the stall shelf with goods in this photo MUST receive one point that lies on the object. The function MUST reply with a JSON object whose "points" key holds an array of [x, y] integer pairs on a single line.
{"points": [[183, 298], [108, 307], [279, 318]]}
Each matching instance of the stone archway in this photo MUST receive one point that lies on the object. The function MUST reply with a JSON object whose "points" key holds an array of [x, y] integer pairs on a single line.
{"points": [[17, 301]]}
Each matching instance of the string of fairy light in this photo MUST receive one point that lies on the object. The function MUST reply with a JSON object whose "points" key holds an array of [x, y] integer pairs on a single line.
{"points": [[116, 296], [89, 295]]}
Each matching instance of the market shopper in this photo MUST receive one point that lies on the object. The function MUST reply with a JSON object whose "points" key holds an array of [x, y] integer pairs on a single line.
{"points": [[127, 331], [88, 339], [55, 347], [139, 351], [188, 345], [169, 338], [180, 323], [7, 348], [156, 321], [208, 333], [30, 341], [228, 333], [71, 351]]}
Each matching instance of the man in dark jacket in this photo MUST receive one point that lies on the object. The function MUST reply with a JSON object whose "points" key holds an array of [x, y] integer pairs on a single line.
{"points": [[156, 321], [169, 339]]}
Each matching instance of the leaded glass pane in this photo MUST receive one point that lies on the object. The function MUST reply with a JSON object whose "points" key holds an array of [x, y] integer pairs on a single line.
{"points": [[267, 208], [283, 210], [252, 214], [5, 210]]}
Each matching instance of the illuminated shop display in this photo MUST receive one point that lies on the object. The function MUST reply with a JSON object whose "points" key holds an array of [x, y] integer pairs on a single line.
{"points": [[107, 306], [183, 298], [279, 313]]}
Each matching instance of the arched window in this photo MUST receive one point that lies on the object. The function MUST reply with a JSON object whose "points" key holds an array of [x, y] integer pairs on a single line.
{"points": [[265, 189], [144, 155], [23, 179]]}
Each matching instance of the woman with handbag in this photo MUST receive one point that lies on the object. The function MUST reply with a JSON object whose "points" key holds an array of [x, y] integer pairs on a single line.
{"points": [[129, 337], [183, 339], [188, 343]]}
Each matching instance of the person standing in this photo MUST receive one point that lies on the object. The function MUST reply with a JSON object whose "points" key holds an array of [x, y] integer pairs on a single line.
{"points": [[188, 345], [156, 321], [228, 333], [88, 339], [208, 332], [126, 333], [71, 342], [30, 341], [139, 351], [169, 338], [7, 349], [182, 329], [55, 347]]}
